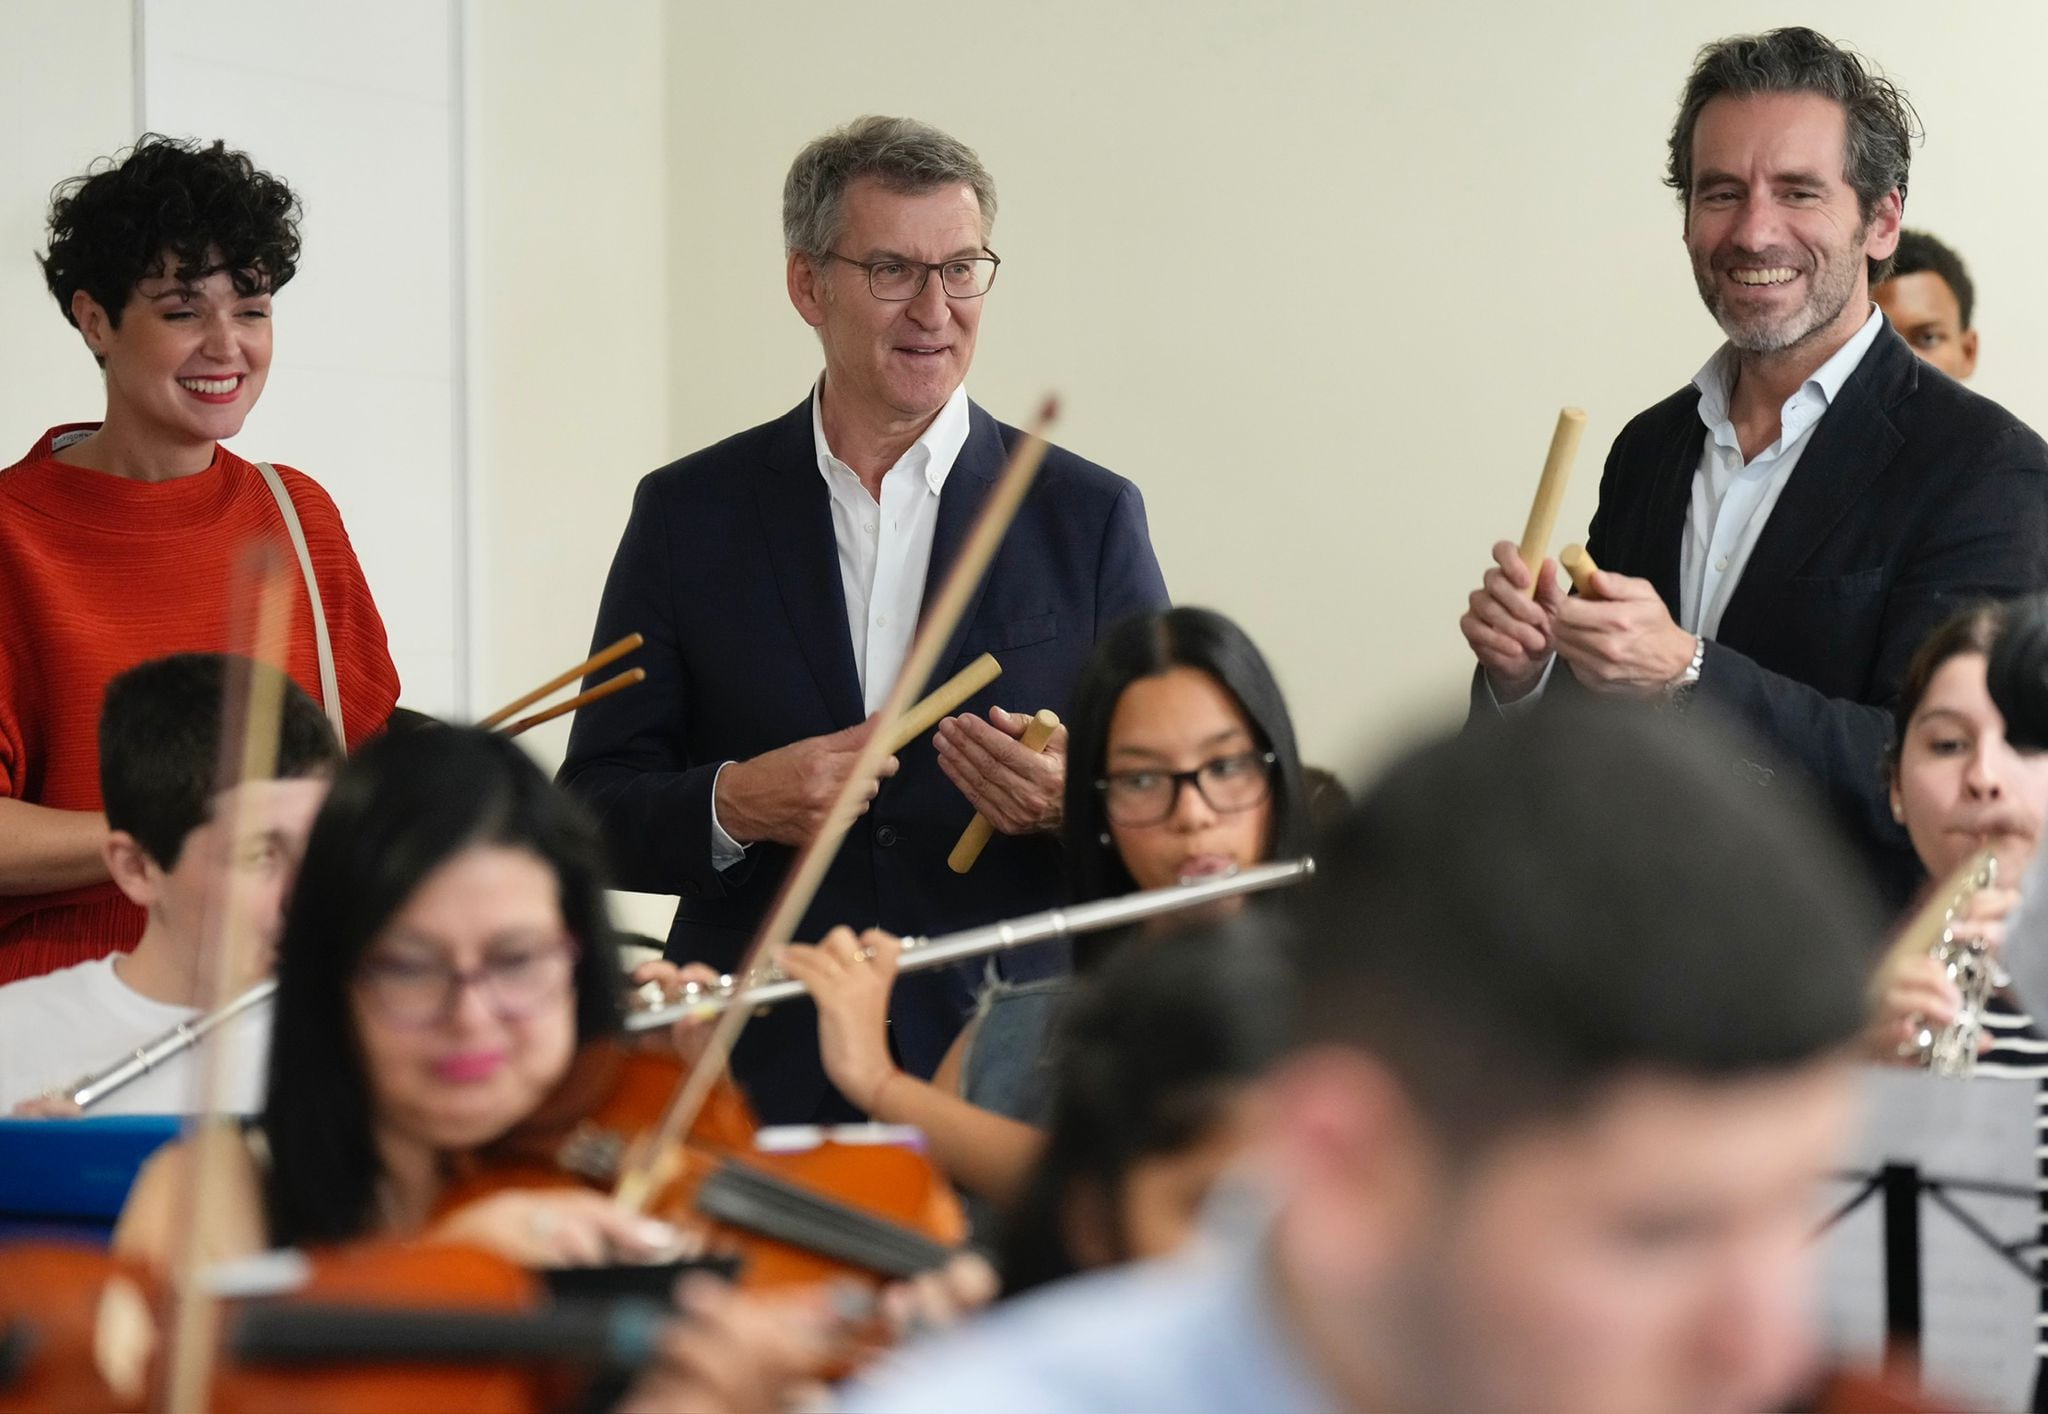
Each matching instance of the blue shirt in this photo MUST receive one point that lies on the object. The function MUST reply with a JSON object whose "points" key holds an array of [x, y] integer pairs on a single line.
{"points": [[1192, 1333]]}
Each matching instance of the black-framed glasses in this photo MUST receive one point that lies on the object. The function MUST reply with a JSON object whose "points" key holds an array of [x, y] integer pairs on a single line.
{"points": [[1228, 783], [516, 981], [897, 280]]}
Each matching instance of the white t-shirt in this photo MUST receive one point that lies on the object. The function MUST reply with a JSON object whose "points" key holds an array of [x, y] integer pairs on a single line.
{"points": [[67, 1024]]}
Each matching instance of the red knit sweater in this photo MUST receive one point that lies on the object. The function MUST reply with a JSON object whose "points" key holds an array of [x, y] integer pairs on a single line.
{"points": [[99, 573]]}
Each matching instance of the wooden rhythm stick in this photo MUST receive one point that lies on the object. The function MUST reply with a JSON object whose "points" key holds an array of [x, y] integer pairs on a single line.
{"points": [[581, 699], [943, 699], [647, 1164], [974, 839], [1579, 565], [1557, 471], [555, 684]]}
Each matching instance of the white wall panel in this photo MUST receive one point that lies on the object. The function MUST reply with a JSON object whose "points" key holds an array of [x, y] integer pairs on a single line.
{"points": [[359, 107]]}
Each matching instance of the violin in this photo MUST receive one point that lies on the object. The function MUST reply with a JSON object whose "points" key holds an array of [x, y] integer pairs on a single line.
{"points": [[371, 1326], [836, 1210]]}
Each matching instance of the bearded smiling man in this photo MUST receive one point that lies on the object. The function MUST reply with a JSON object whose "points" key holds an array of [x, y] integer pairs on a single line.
{"points": [[1779, 535]]}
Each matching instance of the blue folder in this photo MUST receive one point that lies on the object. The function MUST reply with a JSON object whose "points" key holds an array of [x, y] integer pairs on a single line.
{"points": [[74, 1174]]}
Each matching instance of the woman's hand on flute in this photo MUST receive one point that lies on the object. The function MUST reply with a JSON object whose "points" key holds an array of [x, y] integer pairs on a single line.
{"points": [[1508, 630], [850, 980], [691, 1034]]}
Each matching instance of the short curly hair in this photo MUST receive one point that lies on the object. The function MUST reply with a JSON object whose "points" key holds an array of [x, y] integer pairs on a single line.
{"points": [[169, 206]]}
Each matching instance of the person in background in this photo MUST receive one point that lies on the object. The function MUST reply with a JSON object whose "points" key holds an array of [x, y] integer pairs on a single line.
{"points": [[1961, 786], [779, 577], [1930, 300], [1780, 535], [1542, 1141], [171, 839], [1153, 1096], [120, 540], [1181, 765]]}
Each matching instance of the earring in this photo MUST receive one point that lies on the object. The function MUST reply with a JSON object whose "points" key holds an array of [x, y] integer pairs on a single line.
{"points": [[1104, 837]]}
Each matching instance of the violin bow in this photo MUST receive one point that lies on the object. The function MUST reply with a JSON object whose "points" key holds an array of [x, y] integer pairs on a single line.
{"points": [[642, 1173], [250, 723]]}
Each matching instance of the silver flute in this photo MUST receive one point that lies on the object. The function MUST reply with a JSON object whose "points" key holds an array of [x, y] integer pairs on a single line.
{"points": [[89, 1090], [654, 1006]]}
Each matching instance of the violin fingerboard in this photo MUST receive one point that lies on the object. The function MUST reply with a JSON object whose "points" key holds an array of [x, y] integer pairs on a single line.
{"points": [[762, 1203]]}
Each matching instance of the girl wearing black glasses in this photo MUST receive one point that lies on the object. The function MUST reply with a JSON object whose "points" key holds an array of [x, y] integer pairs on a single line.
{"points": [[1181, 764]]}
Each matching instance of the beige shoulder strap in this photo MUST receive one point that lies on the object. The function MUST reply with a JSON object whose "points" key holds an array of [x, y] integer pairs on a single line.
{"points": [[330, 687]]}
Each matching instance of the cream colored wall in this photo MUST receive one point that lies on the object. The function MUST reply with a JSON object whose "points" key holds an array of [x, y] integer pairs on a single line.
{"points": [[67, 95], [1316, 276], [570, 346], [569, 355]]}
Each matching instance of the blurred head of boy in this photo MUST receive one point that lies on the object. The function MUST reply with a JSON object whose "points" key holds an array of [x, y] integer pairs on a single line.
{"points": [[1929, 299], [1576, 997], [175, 837]]}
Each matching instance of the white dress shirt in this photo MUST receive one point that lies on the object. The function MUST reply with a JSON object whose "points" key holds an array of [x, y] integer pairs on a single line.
{"points": [[885, 551], [1732, 499]]}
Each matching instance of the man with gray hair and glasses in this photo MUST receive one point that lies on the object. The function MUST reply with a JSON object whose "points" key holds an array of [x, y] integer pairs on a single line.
{"points": [[1780, 534], [779, 577]]}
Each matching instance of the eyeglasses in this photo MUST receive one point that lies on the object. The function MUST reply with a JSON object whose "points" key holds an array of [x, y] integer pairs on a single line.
{"points": [[1228, 783], [516, 982], [898, 281]]}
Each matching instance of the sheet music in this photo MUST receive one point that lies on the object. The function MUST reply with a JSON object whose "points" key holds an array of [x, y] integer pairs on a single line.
{"points": [[1979, 1312]]}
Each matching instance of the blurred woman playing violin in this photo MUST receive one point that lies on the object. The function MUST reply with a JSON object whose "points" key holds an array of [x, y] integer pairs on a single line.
{"points": [[445, 954]]}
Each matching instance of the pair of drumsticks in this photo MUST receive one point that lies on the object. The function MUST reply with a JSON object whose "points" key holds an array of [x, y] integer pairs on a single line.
{"points": [[1557, 471], [914, 723]]}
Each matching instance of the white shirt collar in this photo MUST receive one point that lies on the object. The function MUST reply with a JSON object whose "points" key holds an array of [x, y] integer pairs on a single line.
{"points": [[933, 453], [1716, 378]]}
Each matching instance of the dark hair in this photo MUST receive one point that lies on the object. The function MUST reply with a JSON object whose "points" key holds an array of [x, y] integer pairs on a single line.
{"points": [[1515, 918], [400, 809], [1144, 647], [205, 208], [1921, 254], [160, 746], [1974, 630], [1151, 1050], [2017, 672], [1881, 123]]}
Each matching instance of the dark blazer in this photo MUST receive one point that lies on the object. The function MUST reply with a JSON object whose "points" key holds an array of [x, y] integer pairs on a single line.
{"points": [[729, 567], [1914, 499]]}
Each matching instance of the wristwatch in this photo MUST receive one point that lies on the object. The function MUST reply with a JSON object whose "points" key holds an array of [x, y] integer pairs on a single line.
{"points": [[1680, 687]]}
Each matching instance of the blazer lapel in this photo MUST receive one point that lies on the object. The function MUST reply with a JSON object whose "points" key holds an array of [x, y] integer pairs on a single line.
{"points": [[968, 485], [1670, 497], [1853, 442], [796, 523]]}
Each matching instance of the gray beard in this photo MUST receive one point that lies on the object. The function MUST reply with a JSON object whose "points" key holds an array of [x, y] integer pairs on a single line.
{"points": [[1824, 305]]}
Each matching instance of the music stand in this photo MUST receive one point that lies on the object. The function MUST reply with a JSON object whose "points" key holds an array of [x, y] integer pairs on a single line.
{"points": [[1953, 1163]]}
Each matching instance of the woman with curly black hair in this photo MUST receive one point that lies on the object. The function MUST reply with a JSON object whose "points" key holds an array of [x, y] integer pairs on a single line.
{"points": [[118, 539]]}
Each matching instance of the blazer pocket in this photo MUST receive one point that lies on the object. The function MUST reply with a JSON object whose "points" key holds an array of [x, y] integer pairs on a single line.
{"points": [[1841, 586], [1017, 633]]}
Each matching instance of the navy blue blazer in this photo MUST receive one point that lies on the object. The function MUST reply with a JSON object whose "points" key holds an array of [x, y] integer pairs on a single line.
{"points": [[729, 567], [1914, 499]]}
